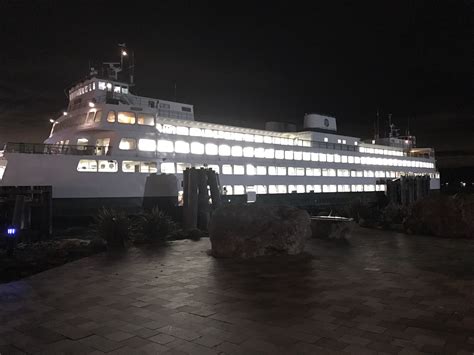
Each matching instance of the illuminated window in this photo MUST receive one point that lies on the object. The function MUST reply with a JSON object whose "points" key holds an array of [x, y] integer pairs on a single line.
{"points": [[344, 159], [322, 157], [281, 170], [248, 137], [329, 172], [210, 133], [101, 85], [299, 171], [291, 171], [276, 140], [181, 147], [309, 172], [214, 167], [309, 188], [343, 188], [326, 139], [239, 190], [261, 170], [357, 188], [195, 132], [128, 144], [279, 154], [344, 142], [183, 131], [90, 117], [281, 189], [224, 150], [261, 189], [269, 153], [272, 170], [329, 188], [148, 167], [169, 129], [239, 170], [317, 171], [339, 141], [82, 141], [288, 154], [147, 145], [356, 160], [146, 119], [337, 158], [211, 149], [98, 116], [298, 155], [369, 188], [238, 136], [248, 152], [317, 188], [259, 152], [129, 166], [291, 188], [306, 156], [267, 139], [380, 174], [258, 139], [87, 165], [368, 173], [117, 89], [330, 158], [343, 172], [108, 166], [227, 169], [314, 157], [250, 169], [236, 151], [165, 146], [167, 168], [197, 148], [181, 167], [126, 117], [111, 116]]}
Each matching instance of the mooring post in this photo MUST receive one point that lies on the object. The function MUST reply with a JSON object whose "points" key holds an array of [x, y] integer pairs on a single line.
{"points": [[203, 200], [212, 178]]}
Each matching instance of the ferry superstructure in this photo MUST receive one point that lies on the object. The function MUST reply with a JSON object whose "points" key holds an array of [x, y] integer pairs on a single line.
{"points": [[109, 140]]}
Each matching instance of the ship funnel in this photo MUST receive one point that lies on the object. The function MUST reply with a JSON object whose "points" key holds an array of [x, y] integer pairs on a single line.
{"points": [[315, 122]]}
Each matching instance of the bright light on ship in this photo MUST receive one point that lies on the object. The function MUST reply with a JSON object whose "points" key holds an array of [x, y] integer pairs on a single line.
{"points": [[91, 104], [51, 120], [124, 53], [65, 113]]}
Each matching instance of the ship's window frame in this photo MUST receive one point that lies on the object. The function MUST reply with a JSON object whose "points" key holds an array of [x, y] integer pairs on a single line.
{"points": [[145, 119], [168, 168], [165, 146], [211, 149], [126, 117], [98, 116], [90, 165], [132, 143], [146, 145], [90, 116], [181, 147], [197, 148], [112, 166], [111, 116]]}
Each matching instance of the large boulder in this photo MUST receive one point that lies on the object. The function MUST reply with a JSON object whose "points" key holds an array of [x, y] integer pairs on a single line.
{"points": [[247, 231], [442, 216]]}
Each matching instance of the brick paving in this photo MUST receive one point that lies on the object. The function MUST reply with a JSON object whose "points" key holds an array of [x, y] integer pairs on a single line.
{"points": [[383, 293]]}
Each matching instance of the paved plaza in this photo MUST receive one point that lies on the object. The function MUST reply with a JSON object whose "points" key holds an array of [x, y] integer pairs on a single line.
{"points": [[383, 293]]}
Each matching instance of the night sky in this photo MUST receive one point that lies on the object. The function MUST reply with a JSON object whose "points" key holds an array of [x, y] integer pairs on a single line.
{"points": [[247, 63]]}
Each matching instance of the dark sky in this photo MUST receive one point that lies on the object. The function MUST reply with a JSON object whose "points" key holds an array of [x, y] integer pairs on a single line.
{"points": [[247, 63]]}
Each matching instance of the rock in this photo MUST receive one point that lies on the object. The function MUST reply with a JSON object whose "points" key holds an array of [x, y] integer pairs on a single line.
{"points": [[247, 231], [442, 216]]}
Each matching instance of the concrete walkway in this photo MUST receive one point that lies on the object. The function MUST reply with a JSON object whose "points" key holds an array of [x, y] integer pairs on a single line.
{"points": [[383, 293]]}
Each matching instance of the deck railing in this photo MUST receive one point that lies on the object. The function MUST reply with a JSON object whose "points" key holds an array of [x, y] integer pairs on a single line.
{"points": [[40, 148]]}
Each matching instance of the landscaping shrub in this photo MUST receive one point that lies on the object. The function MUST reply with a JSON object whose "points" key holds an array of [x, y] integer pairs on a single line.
{"points": [[155, 226], [113, 226]]}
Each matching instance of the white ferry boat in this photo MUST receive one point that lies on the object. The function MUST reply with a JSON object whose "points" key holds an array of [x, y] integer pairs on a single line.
{"points": [[108, 141]]}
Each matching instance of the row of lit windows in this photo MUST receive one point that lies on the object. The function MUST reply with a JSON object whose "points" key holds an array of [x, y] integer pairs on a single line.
{"points": [[283, 189], [251, 170], [381, 151], [212, 149], [111, 166], [235, 136], [101, 85]]}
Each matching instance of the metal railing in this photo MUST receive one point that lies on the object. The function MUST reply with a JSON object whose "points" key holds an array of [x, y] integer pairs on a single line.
{"points": [[40, 148]]}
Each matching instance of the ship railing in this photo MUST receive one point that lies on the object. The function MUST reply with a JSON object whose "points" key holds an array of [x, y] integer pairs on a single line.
{"points": [[40, 148]]}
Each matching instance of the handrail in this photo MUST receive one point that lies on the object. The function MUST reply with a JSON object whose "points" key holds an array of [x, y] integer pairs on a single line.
{"points": [[40, 148]]}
